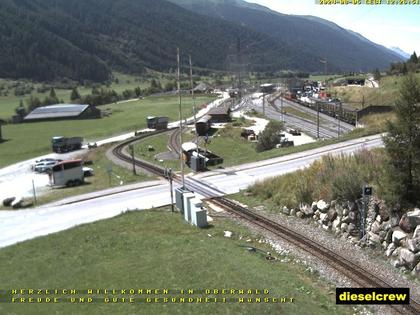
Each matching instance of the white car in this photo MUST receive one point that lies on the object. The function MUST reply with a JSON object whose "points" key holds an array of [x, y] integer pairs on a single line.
{"points": [[42, 167], [87, 171]]}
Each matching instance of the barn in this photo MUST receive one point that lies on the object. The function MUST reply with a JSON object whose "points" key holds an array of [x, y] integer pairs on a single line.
{"points": [[219, 114], [63, 112]]}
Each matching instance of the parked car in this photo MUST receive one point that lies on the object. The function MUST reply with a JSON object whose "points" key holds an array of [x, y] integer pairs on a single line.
{"points": [[87, 171], [44, 166], [43, 161]]}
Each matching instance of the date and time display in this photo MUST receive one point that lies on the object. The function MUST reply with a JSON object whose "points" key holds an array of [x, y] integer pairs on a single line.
{"points": [[368, 2]]}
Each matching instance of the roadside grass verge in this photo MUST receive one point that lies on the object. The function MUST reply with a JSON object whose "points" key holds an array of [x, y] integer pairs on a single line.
{"points": [[27, 140], [330, 178], [158, 250]]}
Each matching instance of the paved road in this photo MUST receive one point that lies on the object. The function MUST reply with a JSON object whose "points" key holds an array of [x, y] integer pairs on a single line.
{"points": [[17, 226]]}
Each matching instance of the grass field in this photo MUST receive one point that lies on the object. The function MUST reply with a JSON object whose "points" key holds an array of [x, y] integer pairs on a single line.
{"points": [[28, 140], [386, 94], [158, 250], [235, 150], [11, 101]]}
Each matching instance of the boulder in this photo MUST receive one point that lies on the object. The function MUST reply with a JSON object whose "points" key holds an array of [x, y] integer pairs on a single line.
{"points": [[292, 212], [322, 206], [416, 270], [410, 220], [384, 245], [286, 210], [416, 233], [408, 258], [325, 227], [390, 249], [376, 227], [351, 227], [382, 235], [344, 226], [398, 236], [383, 211], [306, 209], [352, 216], [336, 223], [346, 219], [313, 206], [386, 225], [323, 217], [374, 239], [414, 245], [396, 252], [339, 209], [345, 212], [394, 221], [300, 214], [332, 214], [379, 218], [388, 236]]}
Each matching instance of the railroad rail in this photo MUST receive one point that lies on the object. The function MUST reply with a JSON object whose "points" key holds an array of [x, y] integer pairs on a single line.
{"points": [[346, 267]]}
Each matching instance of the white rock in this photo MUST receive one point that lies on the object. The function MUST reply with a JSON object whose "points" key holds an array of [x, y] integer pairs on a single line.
{"points": [[409, 259], [286, 210], [417, 232], [378, 218], [336, 223], [390, 249], [344, 226], [375, 228], [398, 236], [323, 217], [322, 205], [374, 239], [414, 245], [228, 234]]}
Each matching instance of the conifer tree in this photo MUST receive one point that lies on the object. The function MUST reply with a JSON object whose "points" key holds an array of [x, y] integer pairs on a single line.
{"points": [[402, 144]]}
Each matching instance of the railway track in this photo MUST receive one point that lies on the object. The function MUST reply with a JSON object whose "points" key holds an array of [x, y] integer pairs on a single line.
{"points": [[356, 273], [352, 271]]}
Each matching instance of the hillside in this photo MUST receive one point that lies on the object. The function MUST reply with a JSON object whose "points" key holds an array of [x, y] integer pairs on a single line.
{"points": [[344, 49], [48, 39]]}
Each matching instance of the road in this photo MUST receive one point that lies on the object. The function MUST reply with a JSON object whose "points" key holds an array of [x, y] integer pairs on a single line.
{"points": [[18, 226]]}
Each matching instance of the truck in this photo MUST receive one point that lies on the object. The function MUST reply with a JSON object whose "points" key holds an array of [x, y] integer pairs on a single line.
{"points": [[63, 144]]}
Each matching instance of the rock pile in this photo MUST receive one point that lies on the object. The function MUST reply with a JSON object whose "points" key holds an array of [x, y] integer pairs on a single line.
{"points": [[398, 238]]}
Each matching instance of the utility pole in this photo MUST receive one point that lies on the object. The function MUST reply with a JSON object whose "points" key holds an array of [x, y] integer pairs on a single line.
{"points": [[194, 111], [34, 192], [180, 121], [263, 103], [170, 187], [317, 120], [281, 107], [133, 159]]}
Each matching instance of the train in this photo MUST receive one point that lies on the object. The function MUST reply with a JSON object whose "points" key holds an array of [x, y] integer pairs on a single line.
{"points": [[333, 109], [203, 125]]}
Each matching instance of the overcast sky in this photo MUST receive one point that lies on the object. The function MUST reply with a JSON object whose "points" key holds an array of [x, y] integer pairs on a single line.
{"points": [[388, 25]]}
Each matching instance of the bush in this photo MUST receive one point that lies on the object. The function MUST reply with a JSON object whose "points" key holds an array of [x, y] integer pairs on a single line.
{"points": [[268, 139]]}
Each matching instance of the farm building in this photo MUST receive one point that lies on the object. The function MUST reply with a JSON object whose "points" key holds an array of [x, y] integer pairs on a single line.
{"points": [[267, 88], [203, 88], [158, 123], [219, 114], [63, 112]]}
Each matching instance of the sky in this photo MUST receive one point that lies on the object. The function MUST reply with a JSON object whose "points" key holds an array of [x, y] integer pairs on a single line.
{"points": [[388, 25]]}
